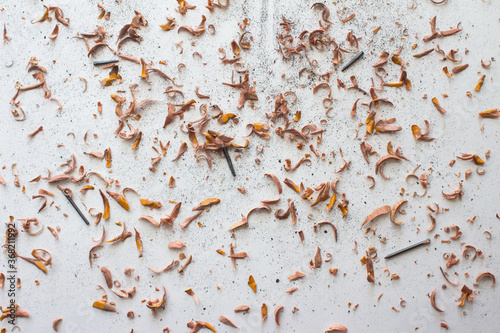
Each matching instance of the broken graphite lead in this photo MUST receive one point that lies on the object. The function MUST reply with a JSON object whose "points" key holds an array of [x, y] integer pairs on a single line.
{"points": [[229, 162], [411, 247], [69, 195], [353, 60], [105, 62]]}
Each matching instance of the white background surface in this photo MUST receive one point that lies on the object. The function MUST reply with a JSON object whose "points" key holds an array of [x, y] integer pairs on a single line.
{"points": [[273, 246]]}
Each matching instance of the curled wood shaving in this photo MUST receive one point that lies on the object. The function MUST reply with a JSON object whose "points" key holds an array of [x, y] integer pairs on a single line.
{"points": [[326, 12], [446, 33], [55, 32], [467, 295], [226, 321], [263, 311], [480, 83], [493, 113], [353, 110], [6, 37], [434, 34], [91, 254], [177, 244], [348, 18], [468, 248], [105, 214], [186, 264], [53, 231], [377, 212], [182, 149], [366, 151], [485, 64], [437, 106], [207, 203], [379, 166], [452, 261], [138, 240], [422, 54], [56, 323], [188, 220], [200, 95], [156, 304], [329, 223], [195, 31], [244, 219], [44, 203], [171, 265], [395, 208], [252, 284], [242, 308], [184, 7], [42, 259], [458, 69], [169, 219], [421, 136], [35, 132], [373, 181], [276, 181], [239, 255], [455, 194], [295, 276], [486, 274], [276, 314], [288, 167], [323, 195], [151, 203], [458, 233], [336, 328], [150, 219], [107, 276], [370, 275], [104, 305], [317, 258], [433, 223], [120, 199], [323, 85], [191, 293], [433, 301], [122, 236], [198, 325]]}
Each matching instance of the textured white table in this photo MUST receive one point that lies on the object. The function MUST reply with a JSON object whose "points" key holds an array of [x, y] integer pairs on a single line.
{"points": [[274, 248]]}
